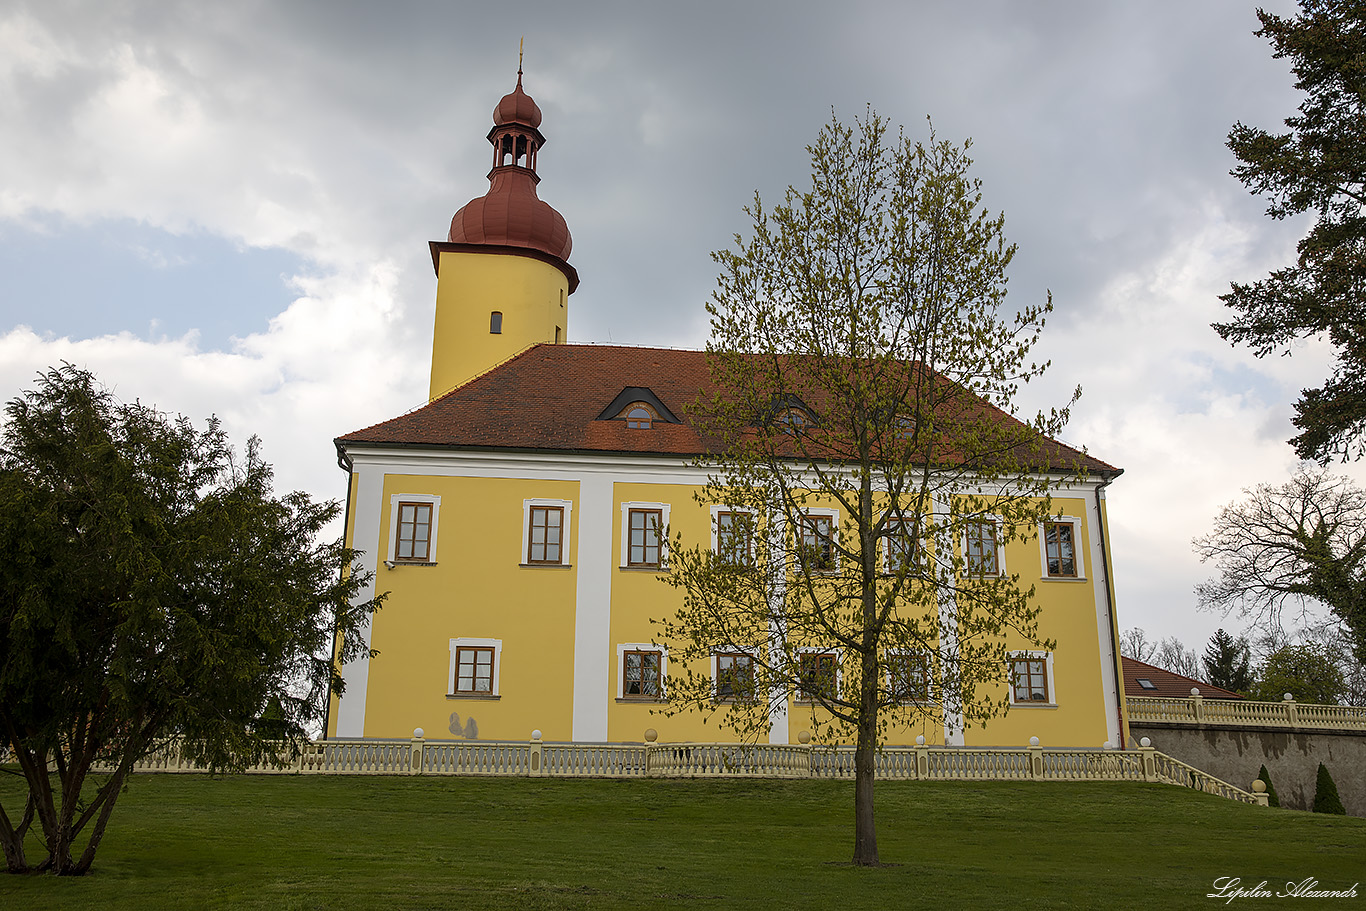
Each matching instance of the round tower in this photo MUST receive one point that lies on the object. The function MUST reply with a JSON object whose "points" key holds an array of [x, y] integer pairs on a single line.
{"points": [[503, 278]]}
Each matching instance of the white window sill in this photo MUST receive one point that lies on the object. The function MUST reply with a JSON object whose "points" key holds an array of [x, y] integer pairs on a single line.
{"points": [[489, 697], [545, 565]]}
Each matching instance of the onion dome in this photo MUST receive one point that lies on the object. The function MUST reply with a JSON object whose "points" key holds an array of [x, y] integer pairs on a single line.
{"points": [[510, 213], [517, 107]]}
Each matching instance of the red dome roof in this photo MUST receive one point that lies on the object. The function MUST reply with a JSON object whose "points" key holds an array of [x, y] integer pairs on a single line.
{"points": [[511, 213], [517, 107]]}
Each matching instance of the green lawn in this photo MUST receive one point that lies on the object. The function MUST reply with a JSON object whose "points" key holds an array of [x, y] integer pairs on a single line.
{"points": [[401, 843]]}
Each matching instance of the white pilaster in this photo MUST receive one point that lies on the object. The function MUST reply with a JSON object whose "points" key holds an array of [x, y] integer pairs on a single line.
{"points": [[593, 608], [365, 516]]}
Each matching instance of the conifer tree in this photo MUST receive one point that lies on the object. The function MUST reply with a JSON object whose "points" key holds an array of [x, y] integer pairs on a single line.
{"points": [[1326, 799]]}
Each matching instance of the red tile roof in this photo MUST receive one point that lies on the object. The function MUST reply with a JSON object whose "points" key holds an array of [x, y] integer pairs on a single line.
{"points": [[1167, 684], [549, 397]]}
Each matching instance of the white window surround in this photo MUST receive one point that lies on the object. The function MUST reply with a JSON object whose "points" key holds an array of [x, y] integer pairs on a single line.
{"points": [[926, 657], [496, 645], [716, 511], [398, 498], [715, 670], [1077, 551], [1052, 702], [1000, 548], [834, 516], [624, 647], [624, 554], [565, 538], [884, 563], [839, 672]]}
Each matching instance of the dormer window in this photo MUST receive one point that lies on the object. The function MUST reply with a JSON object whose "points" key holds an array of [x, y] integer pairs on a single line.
{"points": [[793, 420], [639, 416]]}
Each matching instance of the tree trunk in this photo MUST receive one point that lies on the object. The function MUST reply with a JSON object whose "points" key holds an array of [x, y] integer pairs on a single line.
{"points": [[12, 838], [865, 834]]}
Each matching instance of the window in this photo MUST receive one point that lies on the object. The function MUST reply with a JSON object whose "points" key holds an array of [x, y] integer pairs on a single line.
{"points": [[412, 528], [983, 549], [734, 676], [793, 421], [908, 678], [545, 532], [640, 416], [816, 671], [733, 535], [1031, 676], [475, 667], [558, 333], [1146, 683], [817, 545], [414, 533], [495, 323], [643, 546], [642, 673], [547, 535], [900, 548], [1061, 555]]}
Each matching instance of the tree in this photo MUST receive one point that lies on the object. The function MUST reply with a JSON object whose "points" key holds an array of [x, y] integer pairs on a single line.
{"points": [[1228, 663], [1307, 673], [1326, 799], [1173, 655], [861, 368], [153, 586], [1134, 644], [1298, 545], [1271, 799], [1318, 166]]}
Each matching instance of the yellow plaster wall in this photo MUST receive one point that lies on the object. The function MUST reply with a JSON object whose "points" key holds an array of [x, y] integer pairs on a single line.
{"points": [[532, 296], [477, 589]]}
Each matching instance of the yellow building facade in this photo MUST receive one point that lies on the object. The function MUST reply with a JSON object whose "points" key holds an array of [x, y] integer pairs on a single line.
{"points": [[509, 521]]}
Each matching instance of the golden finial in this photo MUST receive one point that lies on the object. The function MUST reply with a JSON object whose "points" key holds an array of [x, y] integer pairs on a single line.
{"points": [[520, 42]]}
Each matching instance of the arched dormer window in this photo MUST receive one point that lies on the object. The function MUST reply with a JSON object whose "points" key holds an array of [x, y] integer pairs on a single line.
{"points": [[495, 323], [793, 420], [639, 416]]}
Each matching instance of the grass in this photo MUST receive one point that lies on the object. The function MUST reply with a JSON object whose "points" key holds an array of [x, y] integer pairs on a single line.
{"points": [[413, 843]]}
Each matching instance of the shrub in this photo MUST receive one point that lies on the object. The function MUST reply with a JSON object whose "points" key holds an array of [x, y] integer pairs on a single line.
{"points": [[1326, 799]]}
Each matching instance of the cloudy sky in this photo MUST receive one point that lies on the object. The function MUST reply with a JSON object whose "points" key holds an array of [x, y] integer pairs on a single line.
{"points": [[225, 208]]}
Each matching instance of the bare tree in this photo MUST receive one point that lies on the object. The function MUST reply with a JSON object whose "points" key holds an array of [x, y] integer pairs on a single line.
{"points": [[1299, 546], [1134, 644]]}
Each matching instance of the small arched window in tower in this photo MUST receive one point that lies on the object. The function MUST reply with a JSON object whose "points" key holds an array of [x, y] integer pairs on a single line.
{"points": [[495, 323], [639, 416], [558, 330]]}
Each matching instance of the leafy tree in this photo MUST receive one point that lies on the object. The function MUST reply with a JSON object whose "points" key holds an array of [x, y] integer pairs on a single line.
{"points": [[1326, 799], [153, 586], [1300, 544], [859, 357], [1228, 663], [1265, 776], [1318, 166], [1306, 672]]}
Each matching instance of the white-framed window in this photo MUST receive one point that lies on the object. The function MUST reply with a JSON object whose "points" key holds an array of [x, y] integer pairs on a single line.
{"points": [[983, 553], [818, 674], [732, 676], [899, 546], [732, 535], [642, 669], [412, 528], [1060, 548], [1031, 679], [475, 667], [545, 532], [817, 537], [909, 675], [644, 539]]}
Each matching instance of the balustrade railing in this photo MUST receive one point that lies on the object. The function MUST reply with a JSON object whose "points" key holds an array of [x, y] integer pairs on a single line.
{"points": [[417, 756], [1288, 714]]}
